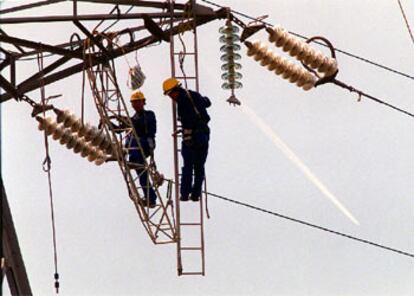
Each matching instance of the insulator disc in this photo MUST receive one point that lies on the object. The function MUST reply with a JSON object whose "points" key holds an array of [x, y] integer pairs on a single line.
{"points": [[58, 132], [230, 47], [51, 127], [283, 37], [230, 57], [70, 119], [96, 141], [318, 60], [91, 133], [230, 65], [229, 29], [93, 154], [333, 67], [307, 86], [84, 129], [267, 59], [65, 138], [86, 150], [309, 55], [62, 115], [289, 44], [76, 126], [80, 143], [234, 85], [72, 142], [99, 161], [43, 123], [100, 157], [105, 144], [229, 38], [231, 76], [297, 47]]}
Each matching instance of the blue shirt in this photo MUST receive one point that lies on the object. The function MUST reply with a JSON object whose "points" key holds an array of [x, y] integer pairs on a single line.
{"points": [[145, 125], [186, 109]]}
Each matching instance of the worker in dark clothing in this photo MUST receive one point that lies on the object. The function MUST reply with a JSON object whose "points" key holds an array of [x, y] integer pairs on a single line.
{"points": [[191, 109], [145, 126]]}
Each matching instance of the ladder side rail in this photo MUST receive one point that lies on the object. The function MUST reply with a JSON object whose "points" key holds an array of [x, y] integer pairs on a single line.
{"points": [[149, 168], [194, 76], [117, 146], [193, 3], [175, 145]]}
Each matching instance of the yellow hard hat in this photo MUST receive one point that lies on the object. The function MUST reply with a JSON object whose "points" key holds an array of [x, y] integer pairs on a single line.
{"points": [[169, 84], [137, 95]]}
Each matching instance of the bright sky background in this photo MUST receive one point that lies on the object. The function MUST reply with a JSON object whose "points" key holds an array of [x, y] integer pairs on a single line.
{"points": [[361, 151]]}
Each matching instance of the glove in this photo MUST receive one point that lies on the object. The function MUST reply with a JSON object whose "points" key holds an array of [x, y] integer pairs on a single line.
{"points": [[151, 143]]}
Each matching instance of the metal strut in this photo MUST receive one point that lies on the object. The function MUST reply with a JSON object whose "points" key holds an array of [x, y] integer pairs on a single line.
{"points": [[158, 221], [189, 220]]}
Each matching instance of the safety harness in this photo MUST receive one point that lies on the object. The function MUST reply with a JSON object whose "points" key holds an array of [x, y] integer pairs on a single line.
{"points": [[199, 128]]}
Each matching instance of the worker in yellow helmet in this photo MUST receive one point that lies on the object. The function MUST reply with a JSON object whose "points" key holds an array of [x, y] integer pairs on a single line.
{"points": [[145, 126], [191, 109]]}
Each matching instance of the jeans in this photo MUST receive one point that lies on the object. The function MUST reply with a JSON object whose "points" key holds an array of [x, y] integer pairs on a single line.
{"points": [[146, 185], [194, 160]]}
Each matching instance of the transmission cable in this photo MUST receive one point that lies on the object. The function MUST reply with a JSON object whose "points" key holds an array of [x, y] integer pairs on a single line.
{"points": [[363, 94], [312, 225], [406, 21], [301, 36]]}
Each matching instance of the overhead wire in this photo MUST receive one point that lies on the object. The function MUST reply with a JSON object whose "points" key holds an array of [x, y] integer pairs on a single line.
{"points": [[375, 99], [333, 80], [301, 36], [325, 229], [406, 21]]}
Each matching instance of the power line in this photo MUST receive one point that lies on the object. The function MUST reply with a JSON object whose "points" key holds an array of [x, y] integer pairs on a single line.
{"points": [[301, 36], [363, 94], [313, 225], [406, 21]]}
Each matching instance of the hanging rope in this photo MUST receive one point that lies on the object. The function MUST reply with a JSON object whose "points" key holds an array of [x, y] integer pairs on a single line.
{"points": [[181, 59], [46, 165], [406, 21]]}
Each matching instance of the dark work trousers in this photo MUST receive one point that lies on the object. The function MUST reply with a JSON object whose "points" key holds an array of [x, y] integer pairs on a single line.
{"points": [[143, 177], [194, 160]]}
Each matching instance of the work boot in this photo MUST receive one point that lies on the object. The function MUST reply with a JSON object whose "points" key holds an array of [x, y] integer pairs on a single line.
{"points": [[184, 198], [149, 204], [195, 198]]}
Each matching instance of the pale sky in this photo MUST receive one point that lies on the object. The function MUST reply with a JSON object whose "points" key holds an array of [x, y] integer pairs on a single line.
{"points": [[361, 151]]}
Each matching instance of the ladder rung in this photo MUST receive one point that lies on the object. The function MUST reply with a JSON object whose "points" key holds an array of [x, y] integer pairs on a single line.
{"points": [[164, 242], [190, 224], [191, 248], [187, 53], [186, 77], [192, 273]]}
